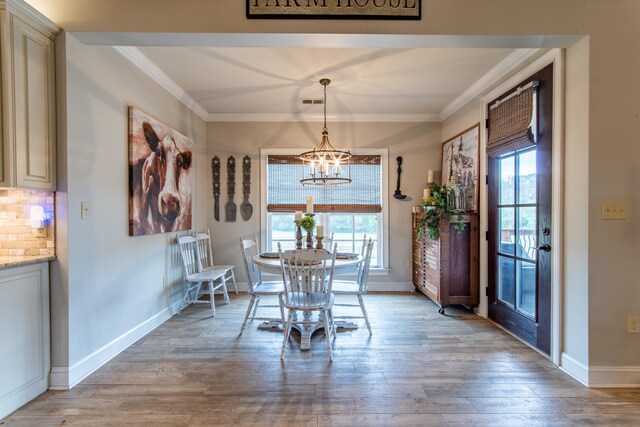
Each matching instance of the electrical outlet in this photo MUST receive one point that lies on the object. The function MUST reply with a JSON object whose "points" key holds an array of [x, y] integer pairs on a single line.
{"points": [[614, 210], [633, 324], [85, 210]]}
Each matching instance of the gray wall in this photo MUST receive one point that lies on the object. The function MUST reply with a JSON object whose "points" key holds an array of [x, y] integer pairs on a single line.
{"points": [[104, 282]]}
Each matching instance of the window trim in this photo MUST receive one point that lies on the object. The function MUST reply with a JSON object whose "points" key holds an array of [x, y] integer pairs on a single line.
{"points": [[384, 156]]}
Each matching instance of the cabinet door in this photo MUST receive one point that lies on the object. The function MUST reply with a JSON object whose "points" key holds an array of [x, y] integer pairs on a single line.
{"points": [[24, 328], [33, 102]]}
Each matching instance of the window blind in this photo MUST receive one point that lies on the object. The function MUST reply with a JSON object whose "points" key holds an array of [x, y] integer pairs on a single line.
{"points": [[286, 194], [512, 122]]}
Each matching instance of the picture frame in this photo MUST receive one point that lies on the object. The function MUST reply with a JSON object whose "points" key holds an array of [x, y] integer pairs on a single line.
{"points": [[460, 159], [334, 9], [160, 170]]}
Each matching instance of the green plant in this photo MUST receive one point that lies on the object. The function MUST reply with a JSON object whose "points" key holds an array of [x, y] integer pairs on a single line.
{"points": [[308, 223], [436, 208]]}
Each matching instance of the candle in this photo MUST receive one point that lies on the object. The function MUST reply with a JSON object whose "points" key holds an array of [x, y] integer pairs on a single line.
{"points": [[309, 204], [297, 216], [426, 193], [319, 231], [429, 176]]}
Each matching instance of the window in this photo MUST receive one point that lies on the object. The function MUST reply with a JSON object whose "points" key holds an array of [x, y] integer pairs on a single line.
{"points": [[348, 211]]}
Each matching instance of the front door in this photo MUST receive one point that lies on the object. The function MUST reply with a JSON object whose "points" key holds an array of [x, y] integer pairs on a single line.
{"points": [[519, 219]]}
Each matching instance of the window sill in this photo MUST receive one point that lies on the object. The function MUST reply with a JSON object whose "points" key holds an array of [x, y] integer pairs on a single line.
{"points": [[379, 271]]}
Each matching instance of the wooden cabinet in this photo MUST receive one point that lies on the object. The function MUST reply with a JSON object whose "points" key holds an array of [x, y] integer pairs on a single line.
{"points": [[24, 328], [446, 269], [28, 147]]}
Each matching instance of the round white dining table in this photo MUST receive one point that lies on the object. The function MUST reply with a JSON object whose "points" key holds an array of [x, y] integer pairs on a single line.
{"points": [[272, 265], [342, 266]]}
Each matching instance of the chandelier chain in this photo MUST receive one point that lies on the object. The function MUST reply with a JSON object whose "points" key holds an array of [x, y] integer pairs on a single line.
{"points": [[327, 166]]}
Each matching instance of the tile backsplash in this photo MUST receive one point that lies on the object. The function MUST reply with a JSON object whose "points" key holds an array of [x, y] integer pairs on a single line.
{"points": [[17, 237]]}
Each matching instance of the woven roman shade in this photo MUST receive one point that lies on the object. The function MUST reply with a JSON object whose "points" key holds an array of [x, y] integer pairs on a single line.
{"points": [[286, 194], [512, 123]]}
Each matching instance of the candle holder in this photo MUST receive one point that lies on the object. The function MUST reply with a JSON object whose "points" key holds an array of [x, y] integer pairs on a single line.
{"points": [[298, 235], [319, 243], [308, 224]]}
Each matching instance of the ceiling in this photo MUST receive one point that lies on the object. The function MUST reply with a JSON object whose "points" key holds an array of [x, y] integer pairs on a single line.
{"points": [[250, 83]]}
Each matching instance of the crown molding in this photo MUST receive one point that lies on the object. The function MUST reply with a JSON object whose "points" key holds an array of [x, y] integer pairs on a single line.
{"points": [[27, 13], [496, 74], [351, 118], [141, 61]]}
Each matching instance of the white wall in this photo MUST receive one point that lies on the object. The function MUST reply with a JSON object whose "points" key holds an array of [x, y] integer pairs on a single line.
{"points": [[418, 143], [106, 283]]}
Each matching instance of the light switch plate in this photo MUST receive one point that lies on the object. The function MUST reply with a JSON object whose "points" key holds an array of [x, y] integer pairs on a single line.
{"points": [[85, 210], [614, 210]]}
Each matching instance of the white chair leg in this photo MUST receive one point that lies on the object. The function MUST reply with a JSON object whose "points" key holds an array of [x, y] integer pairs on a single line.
{"points": [[213, 303], [282, 313], [224, 292], [187, 300], [246, 316], [233, 280], [327, 333], [364, 313], [287, 330], [255, 307]]}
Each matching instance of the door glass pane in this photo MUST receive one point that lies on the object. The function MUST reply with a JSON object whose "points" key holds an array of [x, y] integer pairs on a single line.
{"points": [[527, 177], [506, 278], [526, 287], [507, 187], [527, 238], [507, 230]]}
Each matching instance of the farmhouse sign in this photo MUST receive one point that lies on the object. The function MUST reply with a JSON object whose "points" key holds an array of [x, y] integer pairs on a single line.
{"points": [[334, 9]]}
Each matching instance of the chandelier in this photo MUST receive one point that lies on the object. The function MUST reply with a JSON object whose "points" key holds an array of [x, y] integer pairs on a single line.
{"points": [[325, 164]]}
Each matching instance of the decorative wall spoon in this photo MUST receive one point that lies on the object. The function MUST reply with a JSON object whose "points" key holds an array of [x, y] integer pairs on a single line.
{"points": [[398, 194]]}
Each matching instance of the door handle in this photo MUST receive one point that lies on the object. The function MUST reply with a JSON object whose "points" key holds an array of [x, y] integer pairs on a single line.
{"points": [[545, 248]]}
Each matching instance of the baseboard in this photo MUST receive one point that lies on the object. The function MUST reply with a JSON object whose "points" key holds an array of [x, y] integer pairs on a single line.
{"points": [[614, 376], [391, 287], [573, 368], [601, 376], [63, 378]]}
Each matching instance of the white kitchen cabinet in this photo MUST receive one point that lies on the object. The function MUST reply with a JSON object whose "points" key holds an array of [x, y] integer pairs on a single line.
{"points": [[28, 98], [24, 334]]}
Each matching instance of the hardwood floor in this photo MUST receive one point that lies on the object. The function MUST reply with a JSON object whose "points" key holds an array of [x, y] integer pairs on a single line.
{"points": [[418, 368]]}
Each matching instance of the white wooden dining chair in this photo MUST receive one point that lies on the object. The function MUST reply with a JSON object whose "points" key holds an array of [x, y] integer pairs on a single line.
{"points": [[308, 278], [199, 282], [206, 258], [355, 288], [257, 286]]}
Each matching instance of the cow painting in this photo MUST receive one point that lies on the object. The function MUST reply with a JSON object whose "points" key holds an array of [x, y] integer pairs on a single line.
{"points": [[160, 164]]}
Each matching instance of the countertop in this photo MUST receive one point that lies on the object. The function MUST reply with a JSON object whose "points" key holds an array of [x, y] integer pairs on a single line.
{"points": [[13, 261]]}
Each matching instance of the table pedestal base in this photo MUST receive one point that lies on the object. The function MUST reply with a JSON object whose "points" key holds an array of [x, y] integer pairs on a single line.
{"points": [[306, 331]]}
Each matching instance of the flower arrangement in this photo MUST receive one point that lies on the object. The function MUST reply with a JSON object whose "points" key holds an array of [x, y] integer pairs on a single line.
{"points": [[308, 223], [436, 208]]}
